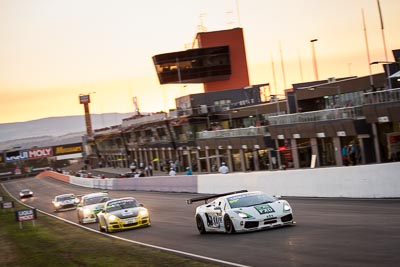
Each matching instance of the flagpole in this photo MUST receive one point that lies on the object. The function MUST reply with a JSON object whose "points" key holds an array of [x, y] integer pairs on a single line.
{"points": [[367, 46], [382, 29]]}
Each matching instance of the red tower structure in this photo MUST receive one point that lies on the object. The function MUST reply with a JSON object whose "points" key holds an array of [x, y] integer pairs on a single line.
{"points": [[219, 62], [234, 39]]}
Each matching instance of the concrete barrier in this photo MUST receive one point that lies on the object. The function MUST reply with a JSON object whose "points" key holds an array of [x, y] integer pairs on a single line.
{"points": [[363, 181], [80, 181], [180, 183], [55, 175]]}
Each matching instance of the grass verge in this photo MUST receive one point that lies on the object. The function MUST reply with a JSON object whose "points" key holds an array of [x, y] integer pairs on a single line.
{"points": [[52, 242]]}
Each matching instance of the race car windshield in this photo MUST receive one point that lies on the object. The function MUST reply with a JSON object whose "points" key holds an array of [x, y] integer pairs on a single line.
{"points": [[120, 205], [95, 200], [62, 198], [248, 200]]}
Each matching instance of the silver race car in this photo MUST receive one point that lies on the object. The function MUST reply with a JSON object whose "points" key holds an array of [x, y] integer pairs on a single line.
{"points": [[241, 211], [65, 201]]}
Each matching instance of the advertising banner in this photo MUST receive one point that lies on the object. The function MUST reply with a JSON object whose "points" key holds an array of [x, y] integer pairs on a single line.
{"points": [[68, 149], [25, 215], [16, 155], [7, 205], [42, 152], [84, 99]]}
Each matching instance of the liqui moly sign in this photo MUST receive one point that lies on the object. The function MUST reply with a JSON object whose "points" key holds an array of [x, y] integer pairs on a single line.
{"points": [[40, 153], [33, 153], [25, 215]]}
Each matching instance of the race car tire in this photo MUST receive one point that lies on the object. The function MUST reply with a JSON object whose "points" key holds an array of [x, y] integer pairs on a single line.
{"points": [[106, 227], [200, 224], [101, 229], [229, 228]]}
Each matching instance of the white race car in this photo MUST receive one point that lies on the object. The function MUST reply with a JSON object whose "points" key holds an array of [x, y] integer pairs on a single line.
{"points": [[90, 205], [241, 211], [65, 201]]}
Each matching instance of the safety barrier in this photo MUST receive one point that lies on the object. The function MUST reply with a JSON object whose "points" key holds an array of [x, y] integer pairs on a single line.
{"points": [[363, 181]]}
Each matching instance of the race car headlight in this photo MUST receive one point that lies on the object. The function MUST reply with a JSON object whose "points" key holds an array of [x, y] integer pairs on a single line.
{"points": [[143, 213], [244, 215], [112, 217], [57, 204], [286, 207], [87, 212], [76, 200]]}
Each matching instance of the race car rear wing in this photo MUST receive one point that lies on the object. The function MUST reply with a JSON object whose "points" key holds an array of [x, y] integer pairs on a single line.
{"points": [[196, 199]]}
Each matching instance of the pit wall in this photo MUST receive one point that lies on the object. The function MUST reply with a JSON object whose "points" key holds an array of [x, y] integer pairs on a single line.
{"points": [[364, 181]]}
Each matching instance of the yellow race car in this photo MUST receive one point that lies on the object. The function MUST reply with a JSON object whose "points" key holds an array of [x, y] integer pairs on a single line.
{"points": [[122, 213]]}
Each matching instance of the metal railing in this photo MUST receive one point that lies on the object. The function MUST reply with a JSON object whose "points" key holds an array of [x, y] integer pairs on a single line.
{"points": [[383, 96], [320, 115], [144, 120], [250, 131]]}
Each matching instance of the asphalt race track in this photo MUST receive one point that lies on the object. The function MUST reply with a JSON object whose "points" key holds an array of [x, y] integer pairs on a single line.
{"points": [[329, 232]]}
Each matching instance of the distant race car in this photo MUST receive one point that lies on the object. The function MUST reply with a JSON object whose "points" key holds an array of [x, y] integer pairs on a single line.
{"points": [[241, 211], [123, 213], [65, 201], [90, 205], [24, 193]]}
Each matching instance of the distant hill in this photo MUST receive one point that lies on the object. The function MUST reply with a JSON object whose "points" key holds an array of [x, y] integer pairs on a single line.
{"points": [[54, 130]]}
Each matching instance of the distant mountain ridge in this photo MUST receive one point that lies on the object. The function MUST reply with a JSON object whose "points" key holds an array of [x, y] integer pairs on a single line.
{"points": [[53, 130]]}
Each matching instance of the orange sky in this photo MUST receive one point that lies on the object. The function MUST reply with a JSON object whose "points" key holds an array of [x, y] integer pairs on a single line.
{"points": [[53, 50]]}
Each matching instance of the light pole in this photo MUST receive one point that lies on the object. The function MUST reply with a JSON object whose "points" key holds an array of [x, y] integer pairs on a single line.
{"points": [[314, 58]]}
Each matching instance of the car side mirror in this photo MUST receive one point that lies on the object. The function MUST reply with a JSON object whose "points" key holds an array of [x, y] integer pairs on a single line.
{"points": [[141, 205]]}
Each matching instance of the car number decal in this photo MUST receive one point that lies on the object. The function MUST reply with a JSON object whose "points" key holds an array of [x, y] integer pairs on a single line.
{"points": [[126, 213], [264, 209], [214, 220], [129, 221]]}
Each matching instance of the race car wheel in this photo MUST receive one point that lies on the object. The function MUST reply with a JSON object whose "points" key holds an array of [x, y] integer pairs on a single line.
{"points": [[200, 224], [229, 228], [107, 229], [101, 229]]}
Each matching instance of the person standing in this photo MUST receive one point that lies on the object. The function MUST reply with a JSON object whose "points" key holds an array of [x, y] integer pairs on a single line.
{"points": [[353, 154], [150, 169], [251, 163], [133, 167], [345, 155], [223, 169], [172, 172]]}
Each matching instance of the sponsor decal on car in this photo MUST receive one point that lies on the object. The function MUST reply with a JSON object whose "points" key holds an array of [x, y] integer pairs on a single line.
{"points": [[264, 209], [214, 220]]}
